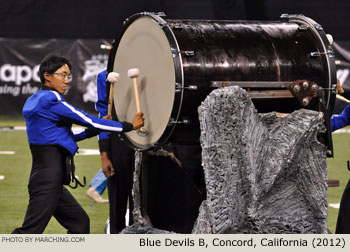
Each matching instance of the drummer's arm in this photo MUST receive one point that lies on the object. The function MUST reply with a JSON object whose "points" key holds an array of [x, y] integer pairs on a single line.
{"points": [[103, 137]]}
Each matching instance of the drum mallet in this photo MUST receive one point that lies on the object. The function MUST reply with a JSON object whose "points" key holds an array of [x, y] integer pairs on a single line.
{"points": [[133, 73], [342, 98], [113, 78]]}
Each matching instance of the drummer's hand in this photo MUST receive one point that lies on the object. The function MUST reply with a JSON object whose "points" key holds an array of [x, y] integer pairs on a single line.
{"points": [[107, 167], [108, 117], [138, 121], [339, 88]]}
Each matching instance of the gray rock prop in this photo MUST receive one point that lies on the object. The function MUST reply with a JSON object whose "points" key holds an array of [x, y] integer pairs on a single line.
{"points": [[264, 173], [141, 229], [142, 225]]}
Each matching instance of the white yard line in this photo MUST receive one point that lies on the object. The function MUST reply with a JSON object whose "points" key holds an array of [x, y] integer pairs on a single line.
{"points": [[341, 131], [7, 152], [334, 205], [86, 152], [74, 129]]}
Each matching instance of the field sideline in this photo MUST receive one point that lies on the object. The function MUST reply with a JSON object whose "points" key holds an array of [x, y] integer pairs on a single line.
{"points": [[16, 168]]}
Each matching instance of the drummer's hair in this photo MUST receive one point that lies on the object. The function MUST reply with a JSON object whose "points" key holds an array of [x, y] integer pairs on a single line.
{"points": [[51, 63]]}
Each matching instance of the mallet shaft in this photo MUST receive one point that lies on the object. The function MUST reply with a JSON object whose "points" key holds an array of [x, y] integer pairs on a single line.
{"points": [[136, 95], [110, 99]]}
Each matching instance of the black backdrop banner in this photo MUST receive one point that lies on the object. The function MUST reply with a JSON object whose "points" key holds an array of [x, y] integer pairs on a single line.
{"points": [[19, 66]]}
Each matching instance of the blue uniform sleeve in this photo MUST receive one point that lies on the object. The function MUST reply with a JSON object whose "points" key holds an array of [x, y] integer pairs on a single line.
{"points": [[80, 136], [87, 133], [101, 105], [63, 111], [342, 120], [102, 109]]}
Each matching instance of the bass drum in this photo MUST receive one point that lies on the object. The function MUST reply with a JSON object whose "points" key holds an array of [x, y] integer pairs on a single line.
{"points": [[180, 59]]}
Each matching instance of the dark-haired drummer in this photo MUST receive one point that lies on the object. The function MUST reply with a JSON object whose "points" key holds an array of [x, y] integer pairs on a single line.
{"points": [[49, 119]]}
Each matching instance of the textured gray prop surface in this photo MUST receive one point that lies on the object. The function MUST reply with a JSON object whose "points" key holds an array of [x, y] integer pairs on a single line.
{"points": [[142, 225], [264, 174]]}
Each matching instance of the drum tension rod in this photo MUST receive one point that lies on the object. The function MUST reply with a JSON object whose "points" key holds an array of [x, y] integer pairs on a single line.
{"points": [[330, 53], [177, 27], [188, 53], [175, 52], [185, 120], [333, 88], [178, 87]]}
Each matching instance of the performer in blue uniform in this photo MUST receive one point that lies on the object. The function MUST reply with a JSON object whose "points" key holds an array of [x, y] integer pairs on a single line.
{"points": [[343, 222], [117, 164], [49, 119]]}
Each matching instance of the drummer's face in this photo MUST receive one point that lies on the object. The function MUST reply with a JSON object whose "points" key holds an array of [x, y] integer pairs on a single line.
{"points": [[59, 80]]}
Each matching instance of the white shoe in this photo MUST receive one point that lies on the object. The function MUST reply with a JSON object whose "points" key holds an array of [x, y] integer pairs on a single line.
{"points": [[95, 196]]}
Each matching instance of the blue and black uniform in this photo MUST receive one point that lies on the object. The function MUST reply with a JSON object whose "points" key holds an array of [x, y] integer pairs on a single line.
{"points": [[343, 222], [123, 161], [49, 119], [341, 120]]}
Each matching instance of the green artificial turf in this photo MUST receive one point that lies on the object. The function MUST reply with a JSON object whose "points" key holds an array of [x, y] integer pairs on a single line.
{"points": [[13, 189], [16, 169]]}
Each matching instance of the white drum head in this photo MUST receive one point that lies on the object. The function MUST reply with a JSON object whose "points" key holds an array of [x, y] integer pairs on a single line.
{"points": [[145, 46]]}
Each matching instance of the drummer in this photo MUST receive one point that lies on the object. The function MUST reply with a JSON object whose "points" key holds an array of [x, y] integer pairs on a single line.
{"points": [[49, 119]]}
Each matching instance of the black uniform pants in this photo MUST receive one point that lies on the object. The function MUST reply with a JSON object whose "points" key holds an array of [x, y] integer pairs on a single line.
{"points": [[343, 222], [120, 184], [48, 197]]}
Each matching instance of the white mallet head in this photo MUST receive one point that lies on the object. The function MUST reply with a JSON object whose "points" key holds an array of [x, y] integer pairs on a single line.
{"points": [[133, 72], [113, 77], [330, 38]]}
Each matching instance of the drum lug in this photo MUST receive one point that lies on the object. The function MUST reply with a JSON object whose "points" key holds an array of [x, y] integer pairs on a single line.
{"points": [[191, 87], [302, 28], [318, 27], [330, 53], [161, 14], [178, 27], [175, 52], [185, 120], [188, 53], [315, 54], [284, 17], [178, 87]]}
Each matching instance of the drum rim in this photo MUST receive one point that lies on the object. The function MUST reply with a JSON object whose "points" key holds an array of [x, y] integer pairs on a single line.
{"points": [[179, 74], [330, 59]]}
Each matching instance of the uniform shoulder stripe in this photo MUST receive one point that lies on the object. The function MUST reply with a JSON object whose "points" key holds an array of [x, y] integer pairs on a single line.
{"points": [[57, 95], [89, 120]]}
